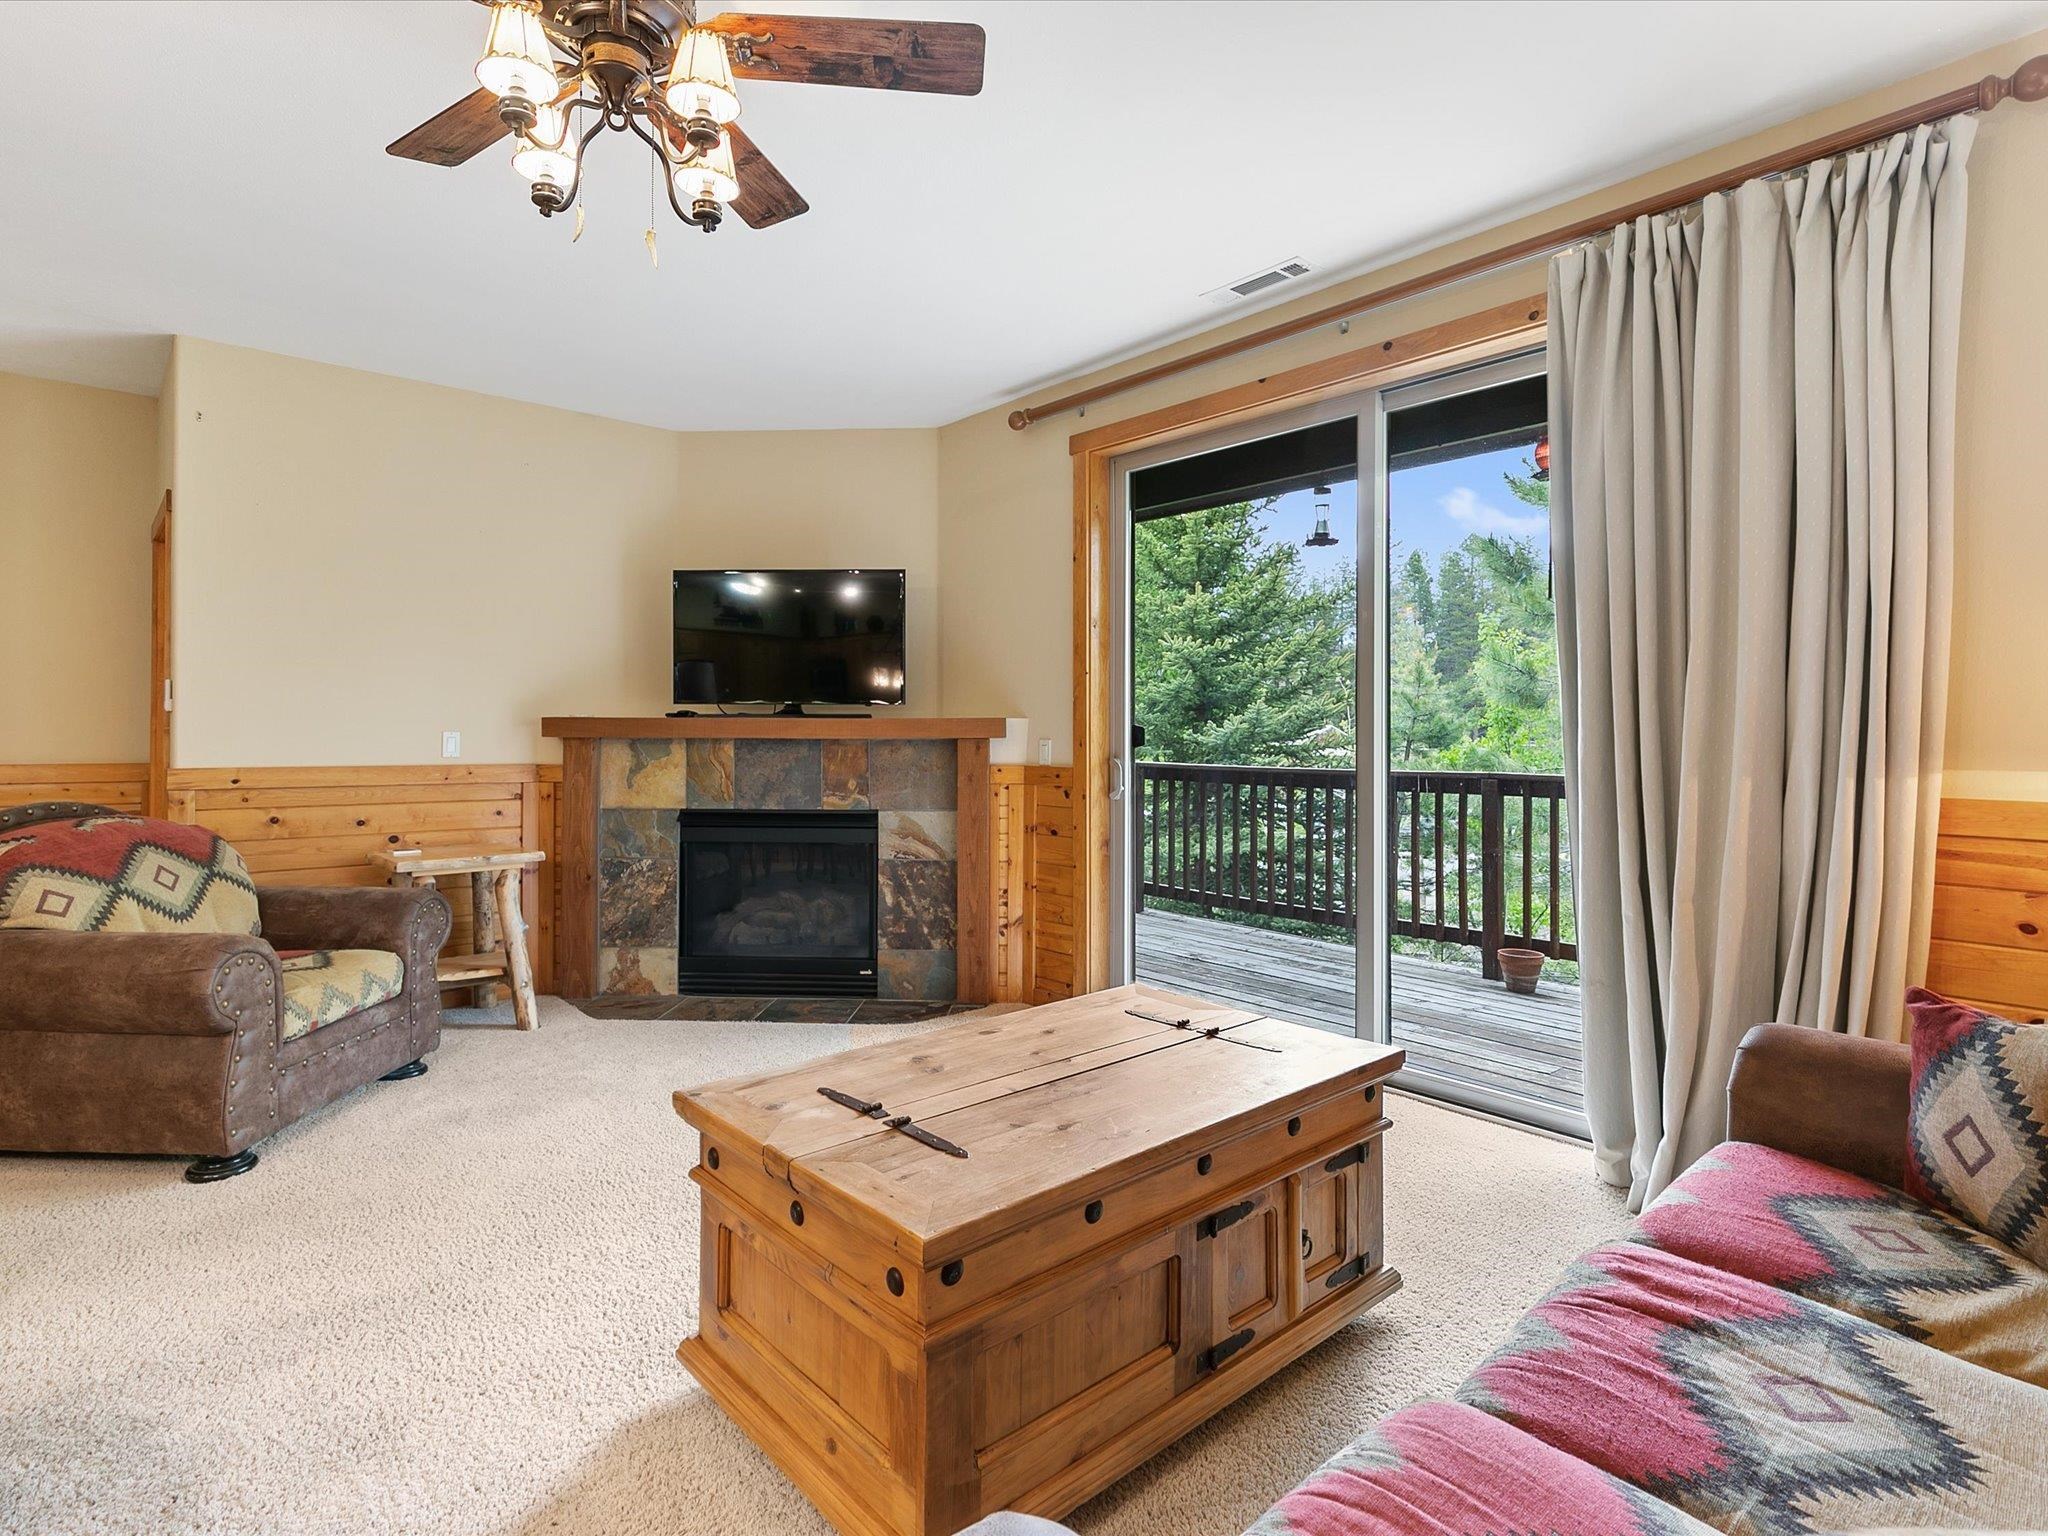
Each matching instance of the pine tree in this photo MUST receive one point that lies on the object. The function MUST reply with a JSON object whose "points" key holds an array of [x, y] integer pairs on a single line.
{"points": [[1422, 720], [1237, 655], [1456, 631], [1414, 591]]}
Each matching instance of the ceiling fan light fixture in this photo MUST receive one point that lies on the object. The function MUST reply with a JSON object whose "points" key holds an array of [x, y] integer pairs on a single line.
{"points": [[518, 67], [707, 182], [544, 154], [700, 84]]}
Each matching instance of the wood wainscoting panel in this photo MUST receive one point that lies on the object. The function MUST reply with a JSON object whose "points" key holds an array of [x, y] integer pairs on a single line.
{"points": [[318, 826], [1990, 943], [118, 786], [1036, 872]]}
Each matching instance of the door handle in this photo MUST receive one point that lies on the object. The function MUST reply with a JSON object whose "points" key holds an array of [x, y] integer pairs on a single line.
{"points": [[1116, 778]]}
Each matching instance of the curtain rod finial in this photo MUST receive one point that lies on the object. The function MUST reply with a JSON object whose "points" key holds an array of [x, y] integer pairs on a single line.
{"points": [[1019, 420], [2030, 80], [2027, 83]]}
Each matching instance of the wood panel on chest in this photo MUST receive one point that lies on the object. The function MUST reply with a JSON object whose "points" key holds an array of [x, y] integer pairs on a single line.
{"points": [[1162, 1201]]}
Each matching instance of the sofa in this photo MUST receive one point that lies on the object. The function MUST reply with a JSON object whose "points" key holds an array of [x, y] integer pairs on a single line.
{"points": [[154, 1000], [1785, 1341]]}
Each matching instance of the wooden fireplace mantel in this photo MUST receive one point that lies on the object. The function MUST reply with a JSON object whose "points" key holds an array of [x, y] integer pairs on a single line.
{"points": [[771, 727]]}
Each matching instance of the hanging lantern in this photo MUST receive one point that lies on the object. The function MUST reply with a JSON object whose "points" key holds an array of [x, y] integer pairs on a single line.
{"points": [[1543, 457]]}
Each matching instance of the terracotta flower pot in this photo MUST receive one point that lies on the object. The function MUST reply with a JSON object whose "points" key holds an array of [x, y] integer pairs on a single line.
{"points": [[1519, 968]]}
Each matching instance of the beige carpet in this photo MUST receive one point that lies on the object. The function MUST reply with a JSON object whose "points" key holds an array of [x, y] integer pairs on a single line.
{"points": [[452, 1305]]}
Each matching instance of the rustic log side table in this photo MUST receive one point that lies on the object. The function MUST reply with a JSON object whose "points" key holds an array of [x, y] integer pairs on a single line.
{"points": [[499, 923]]}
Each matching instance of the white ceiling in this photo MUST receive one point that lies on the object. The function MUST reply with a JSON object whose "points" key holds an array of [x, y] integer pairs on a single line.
{"points": [[225, 177]]}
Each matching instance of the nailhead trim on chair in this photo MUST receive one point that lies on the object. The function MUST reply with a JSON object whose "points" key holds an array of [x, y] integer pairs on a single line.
{"points": [[242, 1032], [349, 1044]]}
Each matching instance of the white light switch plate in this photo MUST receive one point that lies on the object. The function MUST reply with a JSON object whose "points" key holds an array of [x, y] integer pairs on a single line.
{"points": [[1045, 749], [451, 743]]}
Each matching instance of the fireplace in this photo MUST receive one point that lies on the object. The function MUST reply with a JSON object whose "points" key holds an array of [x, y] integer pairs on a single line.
{"points": [[777, 903]]}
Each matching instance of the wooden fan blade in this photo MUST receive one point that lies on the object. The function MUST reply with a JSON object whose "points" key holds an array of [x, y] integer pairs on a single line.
{"points": [[451, 137], [940, 56], [766, 197]]}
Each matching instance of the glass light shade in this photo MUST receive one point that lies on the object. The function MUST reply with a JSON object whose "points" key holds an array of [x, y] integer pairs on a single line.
{"points": [[709, 176], [700, 85], [517, 61], [545, 154]]}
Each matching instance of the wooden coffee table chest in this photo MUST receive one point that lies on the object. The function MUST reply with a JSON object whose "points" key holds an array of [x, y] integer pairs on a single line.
{"points": [[1160, 1203]]}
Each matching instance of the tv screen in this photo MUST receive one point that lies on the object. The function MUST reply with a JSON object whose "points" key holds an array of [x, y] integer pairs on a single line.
{"points": [[789, 637]]}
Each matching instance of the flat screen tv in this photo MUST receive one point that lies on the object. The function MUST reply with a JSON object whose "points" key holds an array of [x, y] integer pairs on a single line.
{"points": [[789, 637]]}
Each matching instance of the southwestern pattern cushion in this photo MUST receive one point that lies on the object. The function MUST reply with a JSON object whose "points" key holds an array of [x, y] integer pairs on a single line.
{"points": [[1978, 1132], [1760, 1412], [322, 985], [1443, 1469], [1832, 1237], [124, 874]]}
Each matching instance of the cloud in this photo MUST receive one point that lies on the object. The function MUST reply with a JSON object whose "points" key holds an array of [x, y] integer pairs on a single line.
{"points": [[1464, 507]]}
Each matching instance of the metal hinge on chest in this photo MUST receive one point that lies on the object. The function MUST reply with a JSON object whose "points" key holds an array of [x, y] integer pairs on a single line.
{"points": [[873, 1109], [1216, 1354], [1229, 1216], [1344, 1274]]}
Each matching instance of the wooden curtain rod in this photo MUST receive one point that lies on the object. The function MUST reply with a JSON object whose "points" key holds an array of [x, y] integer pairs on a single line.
{"points": [[2027, 83]]}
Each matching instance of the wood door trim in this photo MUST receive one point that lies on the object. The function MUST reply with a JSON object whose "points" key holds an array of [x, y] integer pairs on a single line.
{"points": [[156, 794], [1491, 333]]}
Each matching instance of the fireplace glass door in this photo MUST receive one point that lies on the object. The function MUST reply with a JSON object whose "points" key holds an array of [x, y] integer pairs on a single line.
{"points": [[777, 902]]}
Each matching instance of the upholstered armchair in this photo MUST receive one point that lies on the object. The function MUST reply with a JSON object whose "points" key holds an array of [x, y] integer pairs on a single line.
{"points": [[153, 1000]]}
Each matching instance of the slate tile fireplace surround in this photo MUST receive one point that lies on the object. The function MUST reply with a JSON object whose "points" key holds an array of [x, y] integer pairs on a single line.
{"points": [[886, 806]]}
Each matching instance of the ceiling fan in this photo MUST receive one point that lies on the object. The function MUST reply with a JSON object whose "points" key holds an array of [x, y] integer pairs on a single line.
{"points": [[557, 73]]}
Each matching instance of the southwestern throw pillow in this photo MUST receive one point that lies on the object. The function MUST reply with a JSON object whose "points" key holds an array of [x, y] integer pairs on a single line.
{"points": [[124, 874], [1978, 1130]]}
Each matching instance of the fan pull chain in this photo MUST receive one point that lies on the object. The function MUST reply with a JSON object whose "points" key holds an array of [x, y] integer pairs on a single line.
{"points": [[654, 169]]}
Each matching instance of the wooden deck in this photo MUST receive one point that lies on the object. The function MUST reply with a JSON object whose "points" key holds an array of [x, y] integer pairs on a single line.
{"points": [[1455, 1024]]}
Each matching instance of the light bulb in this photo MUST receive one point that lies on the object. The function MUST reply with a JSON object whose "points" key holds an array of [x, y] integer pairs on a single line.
{"points": [[517, 60], [544, 154], [709, 177], [700, 85]]}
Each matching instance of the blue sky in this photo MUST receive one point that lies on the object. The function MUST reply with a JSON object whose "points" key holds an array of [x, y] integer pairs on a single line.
{"points": [[1432, 508]]}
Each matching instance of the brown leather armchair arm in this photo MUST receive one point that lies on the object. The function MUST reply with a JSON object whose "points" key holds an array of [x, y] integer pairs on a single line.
{"points": [[407, 920], [1838, 1099], [134, 983]]}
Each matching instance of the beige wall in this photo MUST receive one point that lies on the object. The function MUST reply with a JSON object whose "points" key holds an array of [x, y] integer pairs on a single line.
{"points": [[1006, 498], [365, 561], [78, 489]]}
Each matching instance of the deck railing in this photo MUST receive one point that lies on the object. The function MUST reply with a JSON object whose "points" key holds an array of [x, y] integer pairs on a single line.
{"points": [[1478, 859]]}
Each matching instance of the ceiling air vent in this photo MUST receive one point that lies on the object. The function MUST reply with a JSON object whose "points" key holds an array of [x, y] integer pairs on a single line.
{"points": [[1258, 282]]}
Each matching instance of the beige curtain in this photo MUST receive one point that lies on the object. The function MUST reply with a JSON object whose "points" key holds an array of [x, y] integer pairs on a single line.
{"points": [[1752, 406]]}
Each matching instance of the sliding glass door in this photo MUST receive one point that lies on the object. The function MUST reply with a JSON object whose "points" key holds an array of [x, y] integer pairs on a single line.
{"points": [[1240, 834], [1240, 686], [1334, 672]]}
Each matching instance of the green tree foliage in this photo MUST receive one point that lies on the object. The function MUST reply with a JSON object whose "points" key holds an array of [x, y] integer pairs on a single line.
{"points": [[1486, 622], [1238, 656]]}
